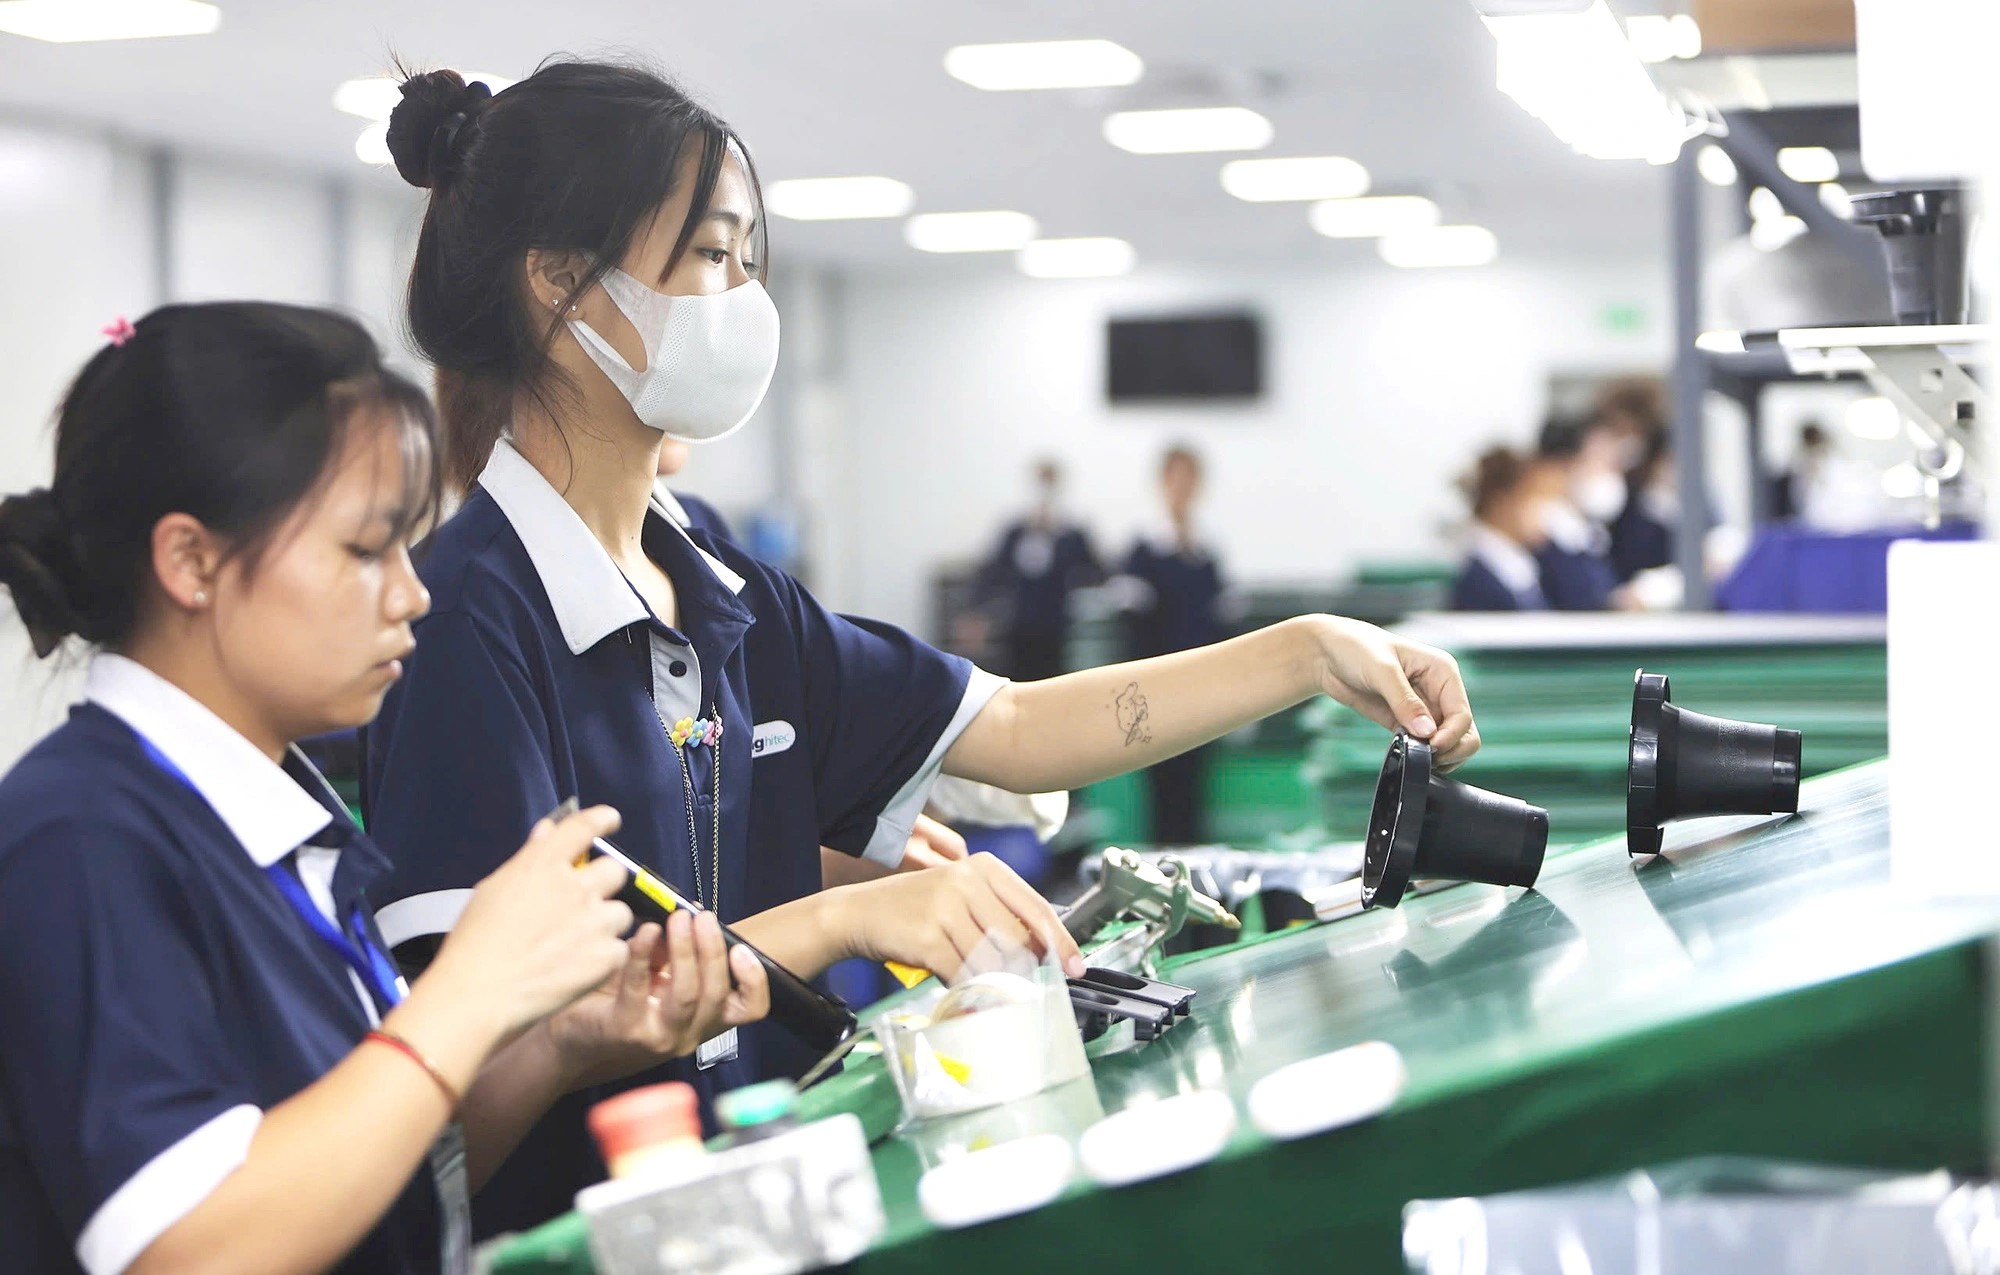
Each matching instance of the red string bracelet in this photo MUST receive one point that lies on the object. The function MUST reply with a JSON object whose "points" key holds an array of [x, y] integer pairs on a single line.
{"points": [[415, 1055]]}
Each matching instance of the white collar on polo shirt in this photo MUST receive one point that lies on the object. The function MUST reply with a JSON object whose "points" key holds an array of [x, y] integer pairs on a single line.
{"points": [[669, 504], [1572, 530], [1513, 565], [591, 596], [263, 806]]}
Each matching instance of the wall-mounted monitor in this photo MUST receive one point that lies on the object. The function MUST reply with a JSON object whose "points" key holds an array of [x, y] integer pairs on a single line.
{"points": [[1184, 357]]}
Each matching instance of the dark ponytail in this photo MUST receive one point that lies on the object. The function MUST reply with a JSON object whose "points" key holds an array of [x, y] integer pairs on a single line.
{"points": [[38, 567], [229, 412], [577, 157]]}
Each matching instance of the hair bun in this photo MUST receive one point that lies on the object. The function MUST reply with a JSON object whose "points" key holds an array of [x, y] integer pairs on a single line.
{"points": [[37, 564], [425, 127]]}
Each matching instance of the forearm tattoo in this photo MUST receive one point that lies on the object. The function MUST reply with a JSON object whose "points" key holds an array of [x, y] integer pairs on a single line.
{"points": [[1134, 717]]}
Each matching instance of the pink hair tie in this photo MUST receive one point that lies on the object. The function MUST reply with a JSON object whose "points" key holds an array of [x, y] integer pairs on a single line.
{"points": [[120, 330]]}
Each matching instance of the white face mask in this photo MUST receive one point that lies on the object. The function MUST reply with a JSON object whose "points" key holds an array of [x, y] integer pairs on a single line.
{"points": [[709, 359], [1600, 496]]}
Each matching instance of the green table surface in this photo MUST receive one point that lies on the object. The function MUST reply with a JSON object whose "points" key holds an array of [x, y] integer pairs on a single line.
{"points": [[1757, 990]]}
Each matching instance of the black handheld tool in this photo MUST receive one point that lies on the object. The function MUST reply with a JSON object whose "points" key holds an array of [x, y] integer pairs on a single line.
{"points": [[819, 1021], [1103, 997]]}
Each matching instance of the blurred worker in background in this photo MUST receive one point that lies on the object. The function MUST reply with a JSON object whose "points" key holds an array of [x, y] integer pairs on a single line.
{"points": [[1642, 536], [1026, 582], [1631, 414], [1581, 465], [1510, 495], [1174, 589]]}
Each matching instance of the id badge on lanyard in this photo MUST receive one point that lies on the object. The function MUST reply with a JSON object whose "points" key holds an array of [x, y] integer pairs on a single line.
{"points": [[716, 1049], [454, 1201]]}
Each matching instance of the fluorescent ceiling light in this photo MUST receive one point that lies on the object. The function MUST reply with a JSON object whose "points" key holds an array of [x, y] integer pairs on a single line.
{"points": [[373, 97], [839, 198], [1046, 64], [1440, 246], [1834, 197], [1076, 258], [1808, 163], [1765, 205], [996, 231], [1873, 417], [1273, 180], [69, 21], [1720, 342], [1577, 73], [1902, 482], [1773, 233], [1373, 216], [1658, 38], [372, 147], [1715, 166], [1214, 128]]}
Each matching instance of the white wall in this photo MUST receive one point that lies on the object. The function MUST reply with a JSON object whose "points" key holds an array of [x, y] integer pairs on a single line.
{"points": [[77, 248], [1381, 385], [381, 239]]}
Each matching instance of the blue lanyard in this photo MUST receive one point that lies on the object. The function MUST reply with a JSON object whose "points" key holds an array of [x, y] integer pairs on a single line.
{"points": [[360, 955]]}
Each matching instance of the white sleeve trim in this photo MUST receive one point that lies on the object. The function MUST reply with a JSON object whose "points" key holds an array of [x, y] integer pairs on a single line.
{"points": [[170, 1186], [892, 826], [421, 915]]}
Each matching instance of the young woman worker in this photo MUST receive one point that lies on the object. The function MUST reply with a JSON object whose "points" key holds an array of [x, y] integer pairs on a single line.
{"points": [[588, 281], [207, 1061]]}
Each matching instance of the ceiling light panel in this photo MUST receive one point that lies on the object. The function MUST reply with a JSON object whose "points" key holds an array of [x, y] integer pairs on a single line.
{"points": [[994, 231], [1439, 246], [1578, 73], [1046, 64], [839, 198], [1076, 258], [1184, 132], [74, 21], [1277, 180], [1373, 216]]}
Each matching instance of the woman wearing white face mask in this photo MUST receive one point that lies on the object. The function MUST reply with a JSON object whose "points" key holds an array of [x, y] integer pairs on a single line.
{"points": [[589, 279], [1578, 462]]}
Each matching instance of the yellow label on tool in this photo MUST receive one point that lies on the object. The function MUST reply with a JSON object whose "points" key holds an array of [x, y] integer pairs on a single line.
{"points": [[651, 886], [907, 975], [647, 884]]}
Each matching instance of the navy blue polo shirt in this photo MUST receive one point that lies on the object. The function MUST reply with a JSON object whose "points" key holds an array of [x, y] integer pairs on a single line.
{"points": [[1640, 539], [1182, 609], [1497, 575], [540, 674], [1034, 571], [693, 512], [1576, 579], [157, 993]]}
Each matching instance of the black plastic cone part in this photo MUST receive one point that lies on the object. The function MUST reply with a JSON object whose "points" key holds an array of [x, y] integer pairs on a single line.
{"points": [[1923, 240], [1687, 765], [1425, 825]]}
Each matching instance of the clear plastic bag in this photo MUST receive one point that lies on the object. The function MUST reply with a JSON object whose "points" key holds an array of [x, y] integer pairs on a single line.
{"points": [[1715, 1217], [983, 1059]]}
